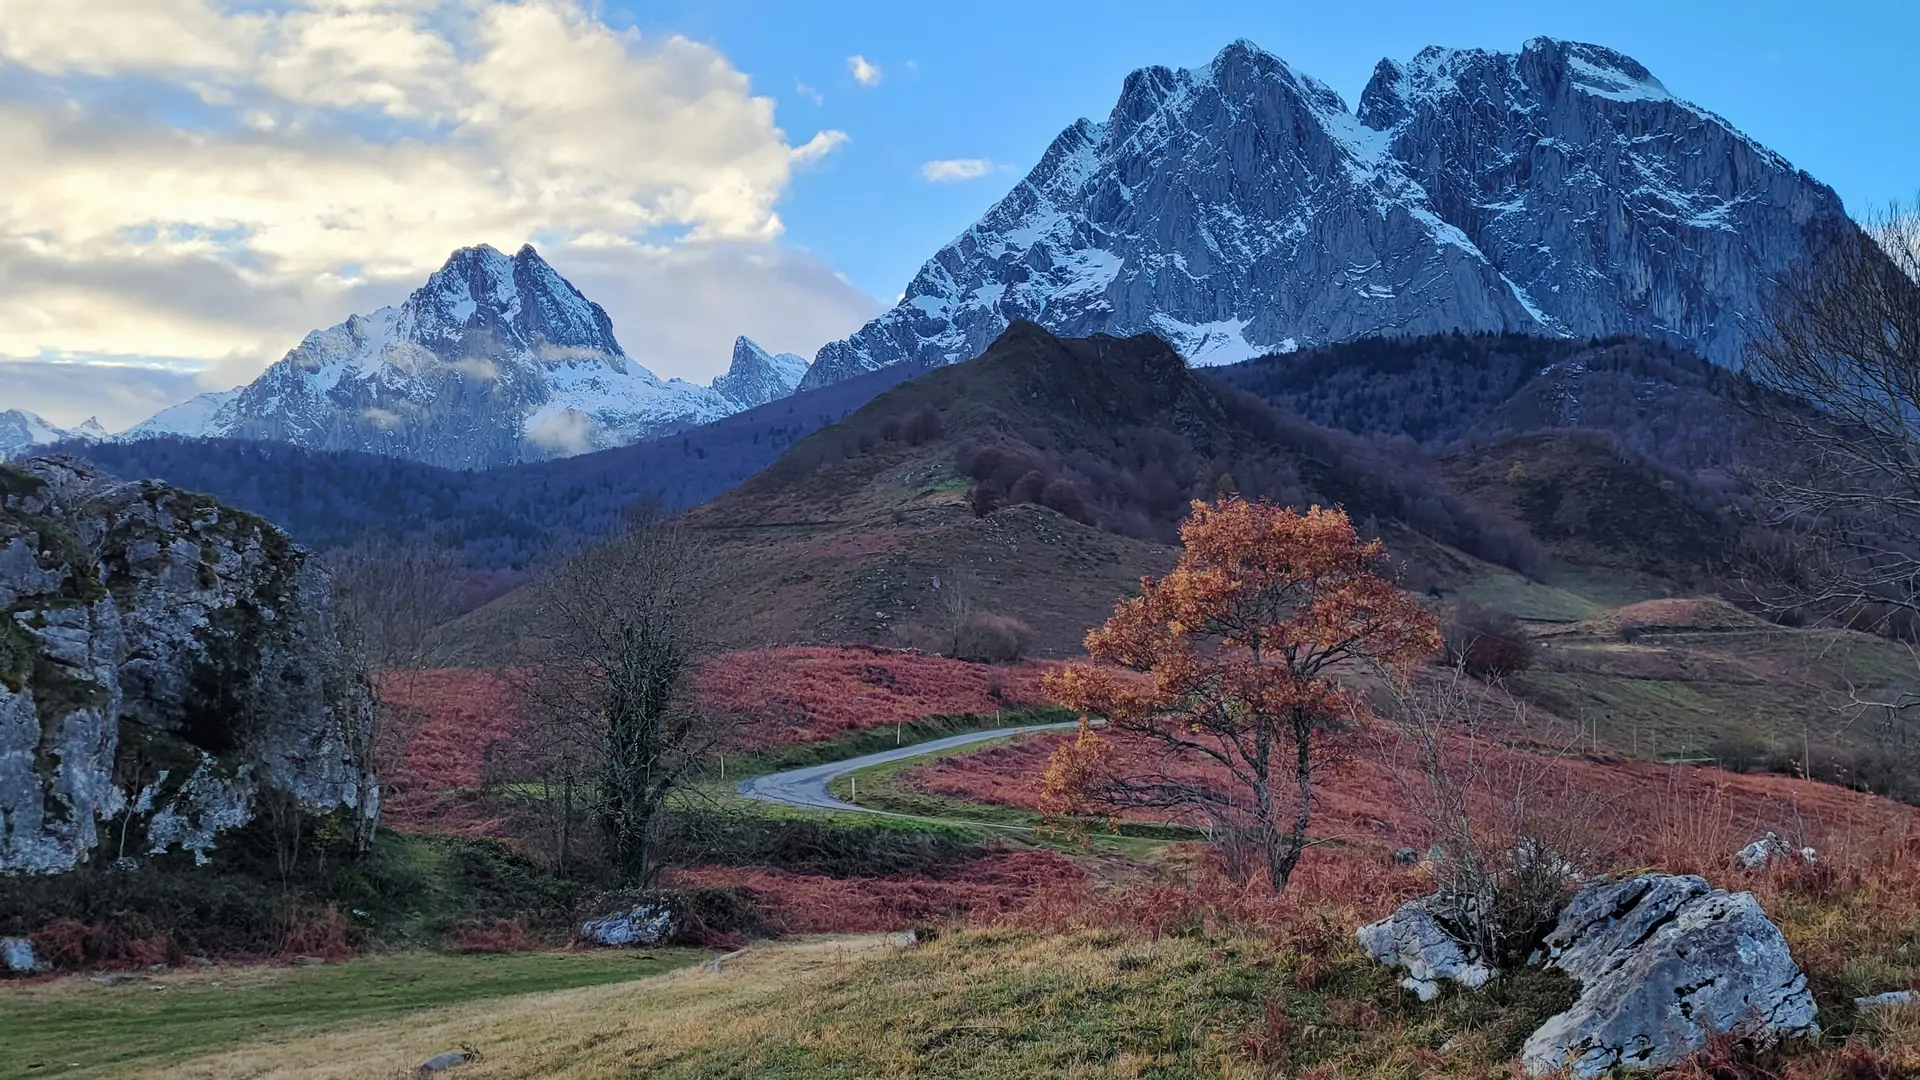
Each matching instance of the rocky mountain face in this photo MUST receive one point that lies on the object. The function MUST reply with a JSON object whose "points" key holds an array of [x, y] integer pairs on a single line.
{"points": [[1241, 209], [165, 663], [496, 359], [756, 376], [23, 433]]}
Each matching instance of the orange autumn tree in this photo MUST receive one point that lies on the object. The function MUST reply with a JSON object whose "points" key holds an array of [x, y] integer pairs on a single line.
{"points": [[1217, 684]]}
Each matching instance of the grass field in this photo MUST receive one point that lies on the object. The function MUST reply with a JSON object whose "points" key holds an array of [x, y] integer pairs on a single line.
{"points": [[984, 1004], [73, 1027]]}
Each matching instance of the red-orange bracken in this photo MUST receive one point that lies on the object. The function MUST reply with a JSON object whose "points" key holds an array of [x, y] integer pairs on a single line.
{"points": [[1239, 644]]}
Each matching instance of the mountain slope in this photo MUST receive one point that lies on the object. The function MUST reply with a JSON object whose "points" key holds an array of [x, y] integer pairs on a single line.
{"points": [[496, 359], [1044, 477], [1240, 209], [1437, 391]]}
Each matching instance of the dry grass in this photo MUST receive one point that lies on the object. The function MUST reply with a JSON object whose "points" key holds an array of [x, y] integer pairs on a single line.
{"points": [[590, 1033]]}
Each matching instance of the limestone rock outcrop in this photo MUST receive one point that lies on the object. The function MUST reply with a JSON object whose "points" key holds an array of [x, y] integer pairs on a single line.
{"points": [[164, 662]]}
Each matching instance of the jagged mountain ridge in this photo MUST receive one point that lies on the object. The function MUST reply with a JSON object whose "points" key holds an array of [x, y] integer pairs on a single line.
{"points": [[1240, 209], [757, 377], [496, 359], [23, 433]]}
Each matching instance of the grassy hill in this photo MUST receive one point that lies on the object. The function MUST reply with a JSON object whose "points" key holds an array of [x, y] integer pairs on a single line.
{"points": [[1043, 478]]}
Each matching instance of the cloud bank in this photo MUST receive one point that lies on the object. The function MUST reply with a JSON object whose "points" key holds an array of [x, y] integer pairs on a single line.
{"points": [[192, 185]]}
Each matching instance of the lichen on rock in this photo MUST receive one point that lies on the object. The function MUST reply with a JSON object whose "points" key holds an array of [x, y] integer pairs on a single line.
{"points": [[162, 658]]}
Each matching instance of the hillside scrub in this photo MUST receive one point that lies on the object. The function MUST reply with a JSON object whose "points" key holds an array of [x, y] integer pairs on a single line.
{"points": [[1486, 642]]}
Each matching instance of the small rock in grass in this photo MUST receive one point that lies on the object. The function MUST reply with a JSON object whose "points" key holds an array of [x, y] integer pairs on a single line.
{"points": [[1413, 938], [1771, 850], [199, 962], [1892, 999], [17, 957], [905, 939], [440, 1063], [308, 961]]}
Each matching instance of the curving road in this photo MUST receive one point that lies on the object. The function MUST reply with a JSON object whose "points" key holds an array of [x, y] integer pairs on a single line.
{"points": [[807, 787]]}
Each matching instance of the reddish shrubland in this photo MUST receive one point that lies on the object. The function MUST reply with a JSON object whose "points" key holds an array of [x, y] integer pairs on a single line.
{"points": [[495, 936], [1683, 818], [325, 935], [71, 945], [809, 693], [451, 723], [447, 725], [995, 886]]}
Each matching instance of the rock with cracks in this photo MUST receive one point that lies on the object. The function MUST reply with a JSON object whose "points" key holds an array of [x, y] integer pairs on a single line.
{"points": [[1663, 962], [1412, 938], [643, 926]]}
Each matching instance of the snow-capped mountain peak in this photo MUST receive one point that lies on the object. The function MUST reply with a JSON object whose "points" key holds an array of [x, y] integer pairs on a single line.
{"points": [[496, 358], [22, 433], [1240, 208]]}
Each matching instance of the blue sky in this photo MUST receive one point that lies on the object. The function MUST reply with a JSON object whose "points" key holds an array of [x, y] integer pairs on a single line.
{"points": [[1832, 86], [187, 187]]}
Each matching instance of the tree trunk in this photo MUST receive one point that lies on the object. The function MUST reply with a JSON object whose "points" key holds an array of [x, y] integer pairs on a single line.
{"points": [[1283, 858]]}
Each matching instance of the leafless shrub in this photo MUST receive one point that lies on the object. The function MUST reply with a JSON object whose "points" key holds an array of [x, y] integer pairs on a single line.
{"points": [[992, 639], [1486, 642], [393, 598], [1512, 830]]}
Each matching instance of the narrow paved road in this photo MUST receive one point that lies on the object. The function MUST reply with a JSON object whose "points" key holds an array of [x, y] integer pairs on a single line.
{"points": [[807, 787]]}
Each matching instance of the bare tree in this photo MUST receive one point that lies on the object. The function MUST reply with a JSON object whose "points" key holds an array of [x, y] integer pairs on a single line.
{"points": [[956, 603], [392, 599], [1839, 371], [614, 639], [1509, 826], [1839, 364]]}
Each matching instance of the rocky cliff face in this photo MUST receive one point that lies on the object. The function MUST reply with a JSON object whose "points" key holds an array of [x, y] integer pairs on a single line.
{"points": [[496, 359], [1240, 209], [1619, 208], [756, 376], [164, 662]]}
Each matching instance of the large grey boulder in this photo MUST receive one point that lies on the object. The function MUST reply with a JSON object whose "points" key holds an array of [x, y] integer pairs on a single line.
{"points": [[1663, 962], [1414, 939], [163, 661]]}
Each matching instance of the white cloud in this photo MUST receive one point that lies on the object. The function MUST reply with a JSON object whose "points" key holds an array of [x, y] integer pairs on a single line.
{"points": [[566, 431], [955, 170], [809, 93], [865, 72], [332, 153]]}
